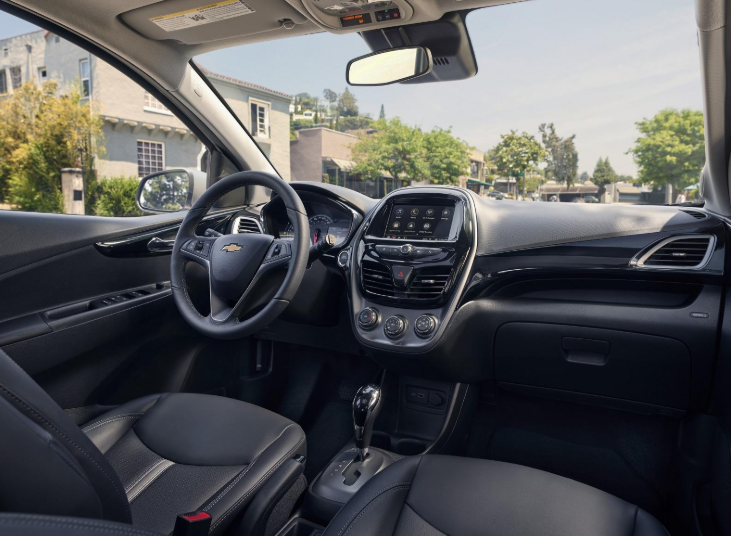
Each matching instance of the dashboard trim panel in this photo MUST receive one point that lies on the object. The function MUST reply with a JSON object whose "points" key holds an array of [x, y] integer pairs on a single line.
{"points": [[410, 342]]}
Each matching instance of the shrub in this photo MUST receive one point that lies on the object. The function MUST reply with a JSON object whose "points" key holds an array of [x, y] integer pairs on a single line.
{"points": [[115, 196], [34, 185]]}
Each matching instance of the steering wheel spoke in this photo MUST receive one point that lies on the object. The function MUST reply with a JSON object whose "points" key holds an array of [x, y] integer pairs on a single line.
{"points": [[198, 249]]}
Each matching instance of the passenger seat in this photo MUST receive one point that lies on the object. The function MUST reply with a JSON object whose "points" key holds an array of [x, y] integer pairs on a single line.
{"points": [[439, 495], [435, 496]]}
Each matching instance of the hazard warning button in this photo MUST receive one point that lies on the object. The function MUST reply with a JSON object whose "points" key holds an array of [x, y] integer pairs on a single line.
{"points": [[401, 275]]}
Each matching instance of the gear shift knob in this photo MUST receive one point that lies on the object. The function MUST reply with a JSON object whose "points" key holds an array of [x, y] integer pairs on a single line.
{"points": [[366, 405]]}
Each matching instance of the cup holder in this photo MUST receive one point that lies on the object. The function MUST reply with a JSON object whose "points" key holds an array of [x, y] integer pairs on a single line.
{"points": [[409, 447], [404, 447]]}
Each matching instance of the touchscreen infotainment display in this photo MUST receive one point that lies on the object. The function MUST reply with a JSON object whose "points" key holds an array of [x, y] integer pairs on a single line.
{"points": [[421, 222]]}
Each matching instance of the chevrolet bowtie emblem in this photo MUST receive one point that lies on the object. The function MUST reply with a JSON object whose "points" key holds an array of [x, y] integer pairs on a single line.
{"points": [[231, 248]]}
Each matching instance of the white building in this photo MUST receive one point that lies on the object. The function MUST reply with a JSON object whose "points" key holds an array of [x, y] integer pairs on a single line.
{"points": [[141, 135]]}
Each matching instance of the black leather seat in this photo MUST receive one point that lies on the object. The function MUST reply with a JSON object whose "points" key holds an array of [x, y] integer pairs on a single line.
{"points": [[438, 495], [142, 463]]}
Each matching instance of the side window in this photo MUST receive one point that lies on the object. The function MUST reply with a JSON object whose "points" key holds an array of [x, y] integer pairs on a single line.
{"points": [[116, 131], [259, 119], [16, 76]]}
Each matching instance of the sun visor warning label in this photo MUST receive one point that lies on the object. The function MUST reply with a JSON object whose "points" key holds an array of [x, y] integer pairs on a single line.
{"points": [[226, 9]]}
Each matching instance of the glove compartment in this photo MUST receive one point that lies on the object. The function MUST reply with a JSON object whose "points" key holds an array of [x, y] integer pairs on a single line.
{"points": [[620, 364]]}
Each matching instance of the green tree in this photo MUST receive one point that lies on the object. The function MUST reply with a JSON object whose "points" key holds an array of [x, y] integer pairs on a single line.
{"points": [[394, 148], [354, 123], [41, 133], [604, 175], [517, 154], [382, 113], [305, 101], [562, 160], [447, 157], [671, 148], [115, 196], [330, 96], [347, 104], [584, 177], [405, 152]]}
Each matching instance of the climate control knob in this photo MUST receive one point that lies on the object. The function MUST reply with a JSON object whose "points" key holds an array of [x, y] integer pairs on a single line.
{"points": [[368, 318], [394, 327], [407, 249], [425, 325]]}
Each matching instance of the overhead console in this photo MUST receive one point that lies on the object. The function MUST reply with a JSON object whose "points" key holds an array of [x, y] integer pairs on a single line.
{"points": [[360, 15], [408, 267]]}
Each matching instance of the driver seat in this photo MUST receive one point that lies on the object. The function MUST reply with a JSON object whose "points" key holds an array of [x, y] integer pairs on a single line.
{"points": [[142, 463]]}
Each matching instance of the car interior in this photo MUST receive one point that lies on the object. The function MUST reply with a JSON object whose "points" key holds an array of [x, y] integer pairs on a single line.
{"points": [[296, 359]]}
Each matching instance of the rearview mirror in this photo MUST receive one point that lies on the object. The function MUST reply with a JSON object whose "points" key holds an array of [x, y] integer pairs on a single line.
{"points": [[389, 66], [166, 191]]}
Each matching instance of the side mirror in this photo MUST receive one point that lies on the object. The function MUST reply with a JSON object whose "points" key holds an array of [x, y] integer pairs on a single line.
{"points": [[389, 66], [169, 191]]}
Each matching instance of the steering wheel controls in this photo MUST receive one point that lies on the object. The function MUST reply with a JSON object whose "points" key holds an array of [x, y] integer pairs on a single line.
{"points": [[369, 318], [201, 248], [425, 325], [394, 327], [280, 249]]}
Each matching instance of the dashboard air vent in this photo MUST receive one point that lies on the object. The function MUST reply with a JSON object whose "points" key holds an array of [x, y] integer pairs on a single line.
{"points": [[246, 225], [678, 252], [696, 214], [376, 278], [429, 283]]}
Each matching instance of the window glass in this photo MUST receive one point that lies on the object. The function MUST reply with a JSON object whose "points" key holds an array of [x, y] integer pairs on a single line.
{"points": [[154, 105], [16, 76], [150, 157], [115, 132], [85, 76], [570, 101]]}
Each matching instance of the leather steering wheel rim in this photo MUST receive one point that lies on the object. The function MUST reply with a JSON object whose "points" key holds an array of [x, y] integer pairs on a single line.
{"points": [[232, 252]]}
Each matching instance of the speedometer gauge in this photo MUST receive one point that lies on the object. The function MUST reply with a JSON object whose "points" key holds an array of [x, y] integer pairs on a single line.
{"points": [[319, 224]]}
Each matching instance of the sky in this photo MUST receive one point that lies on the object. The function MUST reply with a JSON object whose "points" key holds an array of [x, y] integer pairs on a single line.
{"points": [[593, 68]]}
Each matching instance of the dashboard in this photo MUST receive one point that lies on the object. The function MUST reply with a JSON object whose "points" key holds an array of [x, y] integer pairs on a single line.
{"points": [[326, 216], [439, 281]]}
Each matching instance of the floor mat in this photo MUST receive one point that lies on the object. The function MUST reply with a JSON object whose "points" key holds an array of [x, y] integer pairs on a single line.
{"points": [[626, 454]]}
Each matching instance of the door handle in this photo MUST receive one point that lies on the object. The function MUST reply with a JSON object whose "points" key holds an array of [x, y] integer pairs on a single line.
{"points": [[157, 245]]}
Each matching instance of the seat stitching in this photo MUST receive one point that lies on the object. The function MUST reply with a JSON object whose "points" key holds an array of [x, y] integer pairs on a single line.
{"points": [[251, 490], [90, 427], [244, 471], [384, 490], [30, 520], [143, 475], [369, 505], [115, 484], [154, 479]]}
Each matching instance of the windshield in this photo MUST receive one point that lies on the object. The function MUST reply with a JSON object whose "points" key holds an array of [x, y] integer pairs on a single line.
{"points": [[574, 101]]}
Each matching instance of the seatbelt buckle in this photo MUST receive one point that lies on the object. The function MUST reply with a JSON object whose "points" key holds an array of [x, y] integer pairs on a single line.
{"points": [[192, 524]]}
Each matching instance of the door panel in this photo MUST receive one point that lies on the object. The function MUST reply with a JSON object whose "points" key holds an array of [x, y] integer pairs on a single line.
{"points": [[77, 318]]}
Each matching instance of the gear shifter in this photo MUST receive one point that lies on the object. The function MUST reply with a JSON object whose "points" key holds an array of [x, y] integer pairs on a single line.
{"points": [[366, 405]]}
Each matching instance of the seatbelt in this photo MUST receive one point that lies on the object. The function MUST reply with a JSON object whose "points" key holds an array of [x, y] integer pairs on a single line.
{"points": [[192, 524]]}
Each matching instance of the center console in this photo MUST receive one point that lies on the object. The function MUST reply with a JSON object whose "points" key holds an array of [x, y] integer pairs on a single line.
{"points": [[408, 266]]}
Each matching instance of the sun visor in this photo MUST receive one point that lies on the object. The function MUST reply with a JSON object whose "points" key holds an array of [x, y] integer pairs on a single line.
{"points": [[199, 21]]}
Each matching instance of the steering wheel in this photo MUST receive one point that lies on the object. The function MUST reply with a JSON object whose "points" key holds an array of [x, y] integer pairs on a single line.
{"points": [[240, 267]]}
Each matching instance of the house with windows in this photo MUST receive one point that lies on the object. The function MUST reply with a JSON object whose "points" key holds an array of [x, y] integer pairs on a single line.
{"points": [[141, 136]]}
